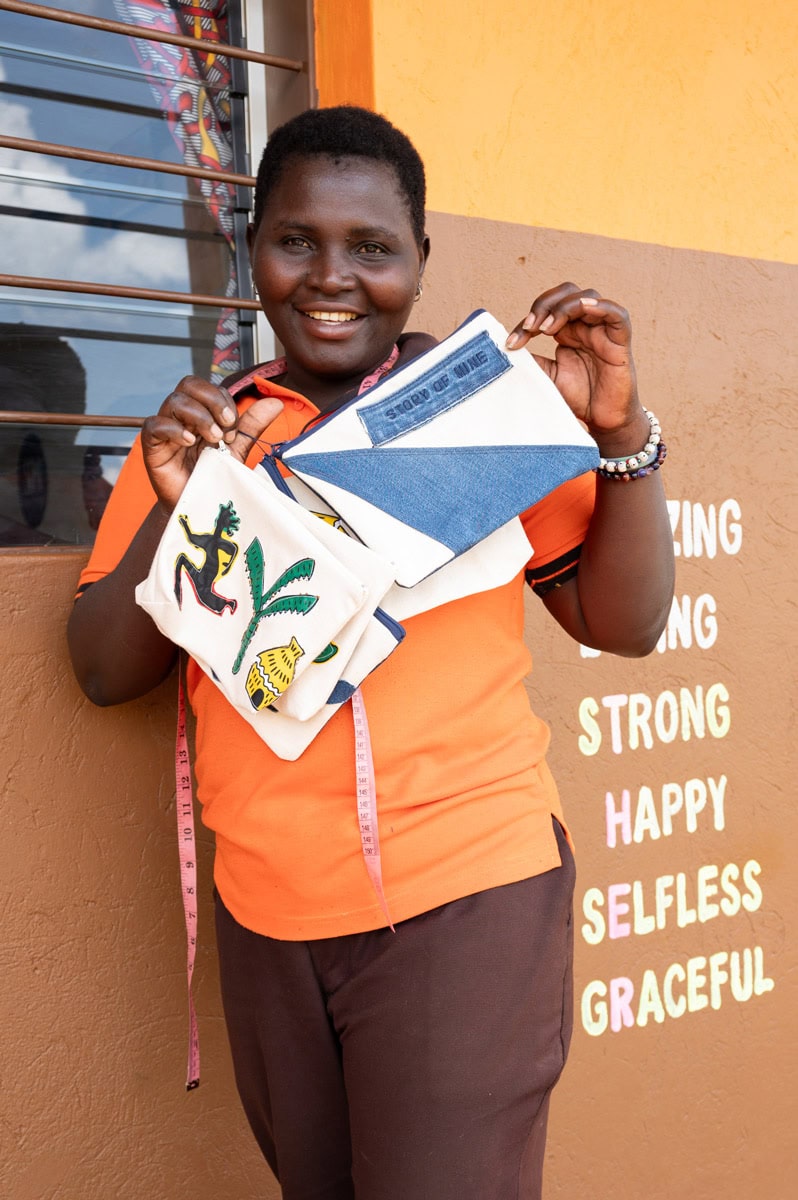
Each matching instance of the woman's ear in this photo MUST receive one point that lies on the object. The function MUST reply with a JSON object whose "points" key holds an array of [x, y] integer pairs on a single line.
{"points": [[423, 255]]}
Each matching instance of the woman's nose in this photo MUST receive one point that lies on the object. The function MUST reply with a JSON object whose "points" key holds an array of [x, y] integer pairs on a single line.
{"points": [[331, 270]]}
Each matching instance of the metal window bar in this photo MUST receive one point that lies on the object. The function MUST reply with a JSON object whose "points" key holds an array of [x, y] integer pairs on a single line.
{"points": [[241, 164], [55, 150], [76, 62], [150, 35], [92, 421], [132, 293]]}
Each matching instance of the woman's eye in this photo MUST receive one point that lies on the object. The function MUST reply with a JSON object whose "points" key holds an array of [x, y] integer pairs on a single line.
{"points": [[371, 249], [296, 241]]}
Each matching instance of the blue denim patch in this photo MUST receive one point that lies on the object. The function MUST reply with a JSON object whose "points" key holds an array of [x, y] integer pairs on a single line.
{"points": [[456, 495], [456, 377]]}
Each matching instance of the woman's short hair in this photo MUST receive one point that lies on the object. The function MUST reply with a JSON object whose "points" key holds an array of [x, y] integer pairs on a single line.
{"points": [[342, 132]]}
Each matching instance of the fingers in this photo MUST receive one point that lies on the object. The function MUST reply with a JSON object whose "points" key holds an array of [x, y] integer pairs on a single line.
{"points": [[252, 424], [563, 306], [197, 414], [196, 411]]}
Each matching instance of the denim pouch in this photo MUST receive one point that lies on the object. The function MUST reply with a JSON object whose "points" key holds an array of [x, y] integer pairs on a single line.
{"points": [[444, 451]]}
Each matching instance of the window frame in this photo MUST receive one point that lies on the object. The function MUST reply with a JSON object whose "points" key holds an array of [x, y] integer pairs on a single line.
{"points": [[259, 100], [242, 61]]}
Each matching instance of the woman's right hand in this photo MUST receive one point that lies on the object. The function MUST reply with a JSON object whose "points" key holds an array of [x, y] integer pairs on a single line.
{"points": [[195, 415]]}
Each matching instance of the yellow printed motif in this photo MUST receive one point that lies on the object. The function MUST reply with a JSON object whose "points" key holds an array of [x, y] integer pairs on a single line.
{"points": [[271, 673], [331, 519]]}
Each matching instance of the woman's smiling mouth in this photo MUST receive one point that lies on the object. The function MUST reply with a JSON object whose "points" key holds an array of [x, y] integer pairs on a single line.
{"points": [[333, 318]]}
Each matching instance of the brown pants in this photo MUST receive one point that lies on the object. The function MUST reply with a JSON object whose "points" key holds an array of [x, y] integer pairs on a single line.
{"points": [[414, 1065]]}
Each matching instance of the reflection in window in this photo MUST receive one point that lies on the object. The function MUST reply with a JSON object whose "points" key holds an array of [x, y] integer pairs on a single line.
{"points": [[54, 479], [62, 218]]}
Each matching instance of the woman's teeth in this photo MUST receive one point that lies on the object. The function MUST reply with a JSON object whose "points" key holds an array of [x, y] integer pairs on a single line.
{"points": [[336, 318]]}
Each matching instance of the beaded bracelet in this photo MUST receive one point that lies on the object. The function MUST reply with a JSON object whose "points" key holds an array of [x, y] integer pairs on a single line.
{"points": [[641, 472], [628, 466]]}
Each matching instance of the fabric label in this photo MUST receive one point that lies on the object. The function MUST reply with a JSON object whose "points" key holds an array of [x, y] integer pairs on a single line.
{"points": [[456, 377]]}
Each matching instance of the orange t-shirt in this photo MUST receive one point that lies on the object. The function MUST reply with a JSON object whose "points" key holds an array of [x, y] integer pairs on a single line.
{"points": [[464, 794]]}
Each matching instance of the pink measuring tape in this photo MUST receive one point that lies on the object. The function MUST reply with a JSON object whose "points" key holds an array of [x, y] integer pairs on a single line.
{"points": [[367, 802], [364, 761], [188, 874], [366, 791]]}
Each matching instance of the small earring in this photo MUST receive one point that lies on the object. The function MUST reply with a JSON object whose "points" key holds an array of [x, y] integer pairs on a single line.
{"points": [[255, 291], [419, 292]]}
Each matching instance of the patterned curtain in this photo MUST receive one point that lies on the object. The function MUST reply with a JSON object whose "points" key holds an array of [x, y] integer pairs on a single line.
{"points": [[193, 90]]}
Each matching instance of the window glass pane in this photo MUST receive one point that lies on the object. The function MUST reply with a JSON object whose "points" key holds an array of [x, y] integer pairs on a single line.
{"points": [[55, 481], [81, 221]]}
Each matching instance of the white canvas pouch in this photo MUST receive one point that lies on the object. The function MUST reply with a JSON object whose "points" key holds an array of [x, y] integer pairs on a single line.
{"points": [[266, 597], [288, 737], [490, 564]]}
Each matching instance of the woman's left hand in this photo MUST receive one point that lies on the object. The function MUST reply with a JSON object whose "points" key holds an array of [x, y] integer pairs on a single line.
{"points": [[594, 371], [592, 367]]}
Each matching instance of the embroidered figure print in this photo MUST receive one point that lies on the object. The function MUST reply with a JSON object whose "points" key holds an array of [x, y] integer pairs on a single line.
{"points": [[266, 604], [219, 553], [271, 673]]}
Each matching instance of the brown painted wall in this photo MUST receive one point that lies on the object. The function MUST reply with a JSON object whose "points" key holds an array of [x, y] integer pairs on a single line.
{"points": [[703, 1103], [92, 975]]}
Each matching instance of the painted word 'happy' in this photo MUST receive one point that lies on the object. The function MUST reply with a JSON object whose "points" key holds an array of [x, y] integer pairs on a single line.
{"points": [[655, 818]]}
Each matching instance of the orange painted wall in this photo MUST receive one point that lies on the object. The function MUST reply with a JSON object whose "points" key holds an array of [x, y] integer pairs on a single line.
{"points": [[344, 52], [659, 121]]}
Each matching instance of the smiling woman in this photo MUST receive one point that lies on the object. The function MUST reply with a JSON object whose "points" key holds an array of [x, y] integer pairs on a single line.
{"points": [[337, 267], [364, 1049], [337, 246]]}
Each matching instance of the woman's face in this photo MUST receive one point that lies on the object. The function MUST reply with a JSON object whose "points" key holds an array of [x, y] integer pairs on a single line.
{"points": [[337, 266]]}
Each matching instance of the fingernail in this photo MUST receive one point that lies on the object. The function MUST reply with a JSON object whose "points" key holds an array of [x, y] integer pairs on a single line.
{"points": [[216, 432], [529, 321], [547, 324], [230, 436], [188, 437], [588, 301], [227, 416], [512, 341]]}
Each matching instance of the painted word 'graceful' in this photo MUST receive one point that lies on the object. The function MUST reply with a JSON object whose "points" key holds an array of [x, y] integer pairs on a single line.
{"points": [[683, 987]]}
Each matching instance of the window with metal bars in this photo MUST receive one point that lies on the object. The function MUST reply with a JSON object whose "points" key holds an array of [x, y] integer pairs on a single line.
{"points": [[125, 191]]}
